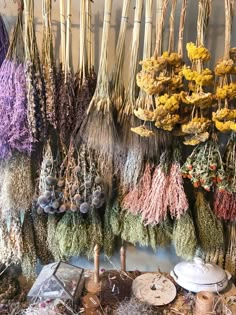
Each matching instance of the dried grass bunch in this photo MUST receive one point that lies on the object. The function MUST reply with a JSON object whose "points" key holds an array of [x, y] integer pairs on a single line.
{"points": [[29, 255], [230, 258], [11, 245], [40, 236], [85, 79], [98, 130], [17, 187], [116, 80]]}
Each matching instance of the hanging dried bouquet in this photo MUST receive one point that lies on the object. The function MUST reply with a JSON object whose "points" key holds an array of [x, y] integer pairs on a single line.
{"points": [[14, 130]]}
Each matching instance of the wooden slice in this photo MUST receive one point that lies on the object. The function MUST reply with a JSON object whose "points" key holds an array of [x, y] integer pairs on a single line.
{"points": [[154, 289]]}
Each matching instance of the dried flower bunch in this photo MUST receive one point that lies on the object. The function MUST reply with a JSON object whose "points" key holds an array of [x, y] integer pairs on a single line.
{"points": [[50, 187], [40, 236], [197, 99], [4, 40], [14, 130], [225, 200], [161, 75], [209, 228], [83, 187], [184, 237], [98, 129], [17, 187], [36, 111], [160, 191], [204, 167], [48, 64], [29, 257], [230, 257], [224, 117], [11, 242], [85, 79]]}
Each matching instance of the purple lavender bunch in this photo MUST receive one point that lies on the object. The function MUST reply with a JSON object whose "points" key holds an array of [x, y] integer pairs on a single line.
{"points": [[4, 41], [14, 130]]}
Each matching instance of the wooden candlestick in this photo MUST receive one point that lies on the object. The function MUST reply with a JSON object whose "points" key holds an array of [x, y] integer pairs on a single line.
{"points": [[96, 263], [123, 257]]}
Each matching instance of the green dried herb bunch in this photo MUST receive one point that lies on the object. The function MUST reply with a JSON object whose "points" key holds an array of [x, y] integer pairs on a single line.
{"points": [[64, 234], [81, 238], [184, 236], [29, 258], [230, 257], [209, 229], [109, 235], [134, 231], [17, 187], [95, 231]]}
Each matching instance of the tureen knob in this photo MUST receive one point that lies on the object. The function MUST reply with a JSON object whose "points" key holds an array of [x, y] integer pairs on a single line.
{"points": [[198, 260]]}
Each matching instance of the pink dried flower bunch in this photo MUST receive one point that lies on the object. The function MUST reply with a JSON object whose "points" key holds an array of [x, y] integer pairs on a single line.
{"points": [[225, 205], [162, 193], [133, 201], [14, 130]]}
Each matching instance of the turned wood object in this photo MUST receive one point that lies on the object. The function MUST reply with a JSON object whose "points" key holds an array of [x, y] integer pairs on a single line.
{"points": [[96, 263], [123, 257]]}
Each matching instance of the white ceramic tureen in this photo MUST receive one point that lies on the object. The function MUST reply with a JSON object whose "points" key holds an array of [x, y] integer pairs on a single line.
{"points": [[198, 276]]}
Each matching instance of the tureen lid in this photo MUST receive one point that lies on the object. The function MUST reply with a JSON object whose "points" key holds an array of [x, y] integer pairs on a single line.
{"points": [[199, 272]]}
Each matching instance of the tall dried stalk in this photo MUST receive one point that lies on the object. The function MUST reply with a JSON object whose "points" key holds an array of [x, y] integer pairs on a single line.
{"points": [[48, 63], [160, 19], [204, 12], [34, 79], [130, 142], [116, 81], [181, 27]]}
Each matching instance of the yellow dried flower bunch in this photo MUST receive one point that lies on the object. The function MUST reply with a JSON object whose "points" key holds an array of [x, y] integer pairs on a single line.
{"points": [[170, 102], [224, 114], [153, 64], [168, 122], [223, 126], [203, 79], [224, 67], [172, 59], [196, 125], [176, 82], [196, 139], [142, 131], [226, 91], [197, 53], [150, 83], [144, 114], [201, 99]]}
